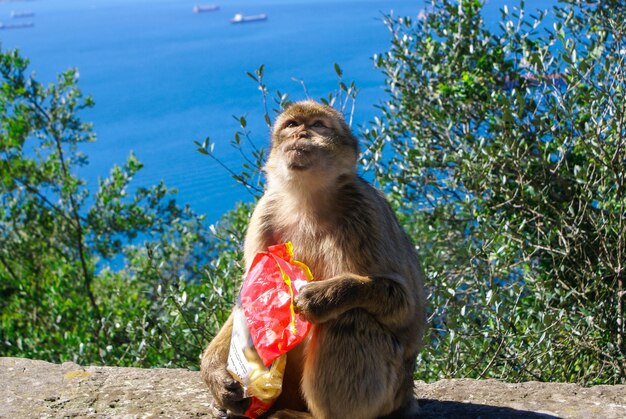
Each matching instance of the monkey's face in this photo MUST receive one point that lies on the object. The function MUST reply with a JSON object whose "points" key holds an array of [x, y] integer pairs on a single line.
{"points": [[310, 138]]}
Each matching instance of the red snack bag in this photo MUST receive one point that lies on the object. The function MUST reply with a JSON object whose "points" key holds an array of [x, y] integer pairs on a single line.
{"points": [[267, 294], [266, 326]]}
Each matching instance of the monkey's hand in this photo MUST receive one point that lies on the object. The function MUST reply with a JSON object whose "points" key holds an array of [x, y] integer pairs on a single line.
{"points": [[227, 394], [319, 302]]}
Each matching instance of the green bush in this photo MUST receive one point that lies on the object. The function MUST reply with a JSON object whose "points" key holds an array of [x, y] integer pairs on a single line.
{"points": [[119, 278], [505, 154]]}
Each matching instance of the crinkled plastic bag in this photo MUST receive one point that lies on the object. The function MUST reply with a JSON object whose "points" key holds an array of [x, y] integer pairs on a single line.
{"points": [[266, 326]]}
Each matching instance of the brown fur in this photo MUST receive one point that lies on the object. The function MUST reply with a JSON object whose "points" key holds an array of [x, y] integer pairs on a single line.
{"points": [[367, 302]]}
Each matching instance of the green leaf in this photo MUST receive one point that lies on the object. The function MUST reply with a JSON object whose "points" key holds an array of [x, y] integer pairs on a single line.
{"points": [[338, 70]]}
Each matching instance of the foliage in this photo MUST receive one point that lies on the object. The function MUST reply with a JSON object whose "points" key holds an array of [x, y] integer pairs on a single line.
{"points": [[123, 277], [505, 154]]}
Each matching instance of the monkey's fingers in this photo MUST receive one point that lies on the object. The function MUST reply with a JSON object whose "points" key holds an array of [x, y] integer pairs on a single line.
{"points": [[232, 394], [311, 305], [236, 405], [300, 308], [232, 384], [218, 412], [229, 395]]}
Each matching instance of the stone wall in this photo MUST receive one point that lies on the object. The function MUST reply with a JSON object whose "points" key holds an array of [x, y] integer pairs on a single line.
{"points": [[38, 389]]}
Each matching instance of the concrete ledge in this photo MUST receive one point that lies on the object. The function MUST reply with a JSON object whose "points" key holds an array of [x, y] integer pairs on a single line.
{"points": [[38, 389]]}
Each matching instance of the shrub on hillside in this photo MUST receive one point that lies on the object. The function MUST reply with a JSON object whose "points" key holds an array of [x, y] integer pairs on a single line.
{"points": [[505, 155], [124, 277]]}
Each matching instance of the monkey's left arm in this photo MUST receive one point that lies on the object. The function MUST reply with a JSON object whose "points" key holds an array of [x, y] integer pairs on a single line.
{"points": [[386, 297]]}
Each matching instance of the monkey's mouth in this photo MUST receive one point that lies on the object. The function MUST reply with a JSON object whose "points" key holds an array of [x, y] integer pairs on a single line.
{"points": [[299, 156]]}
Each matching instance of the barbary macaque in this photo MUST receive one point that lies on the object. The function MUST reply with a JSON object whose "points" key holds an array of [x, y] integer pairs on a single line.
{"points": [[367, 301]]}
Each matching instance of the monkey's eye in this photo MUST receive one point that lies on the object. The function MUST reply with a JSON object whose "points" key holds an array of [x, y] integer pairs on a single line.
{"points": [[291, 123], [318, 124]]}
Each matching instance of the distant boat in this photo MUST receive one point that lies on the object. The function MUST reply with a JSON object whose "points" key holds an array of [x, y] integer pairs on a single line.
{"points": [[198, 8], [16, 25], [240, 18], [22, 14]]}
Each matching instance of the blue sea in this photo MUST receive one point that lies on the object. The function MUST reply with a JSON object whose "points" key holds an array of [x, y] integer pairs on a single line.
{"points": [[163, 76]]}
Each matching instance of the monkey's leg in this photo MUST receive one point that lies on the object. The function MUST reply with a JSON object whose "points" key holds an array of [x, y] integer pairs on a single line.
{"points": [[354, 369]]}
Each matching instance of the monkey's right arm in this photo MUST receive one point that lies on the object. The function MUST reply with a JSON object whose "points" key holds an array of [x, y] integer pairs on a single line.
{"points": [[226, 391], [384, 296]]}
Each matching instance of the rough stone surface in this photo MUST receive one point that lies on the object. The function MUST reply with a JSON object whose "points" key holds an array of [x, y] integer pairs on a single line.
{"points": [[38, 389]]}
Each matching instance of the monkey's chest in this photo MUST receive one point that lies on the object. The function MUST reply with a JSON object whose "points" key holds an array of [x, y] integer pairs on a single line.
{"points": [[323, 251]]}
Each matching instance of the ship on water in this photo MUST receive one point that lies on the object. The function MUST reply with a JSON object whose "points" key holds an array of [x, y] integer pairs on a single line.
{"points": [[16, 15], [16, 25], [241, 18], [199, 8]]}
